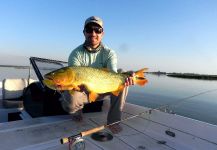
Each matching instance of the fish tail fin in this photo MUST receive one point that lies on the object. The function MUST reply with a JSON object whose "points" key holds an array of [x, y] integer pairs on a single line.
{"points": [[140, 77]]}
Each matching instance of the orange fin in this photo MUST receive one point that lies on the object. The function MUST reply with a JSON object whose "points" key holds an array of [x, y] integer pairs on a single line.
{"points": [[92, 97], [69, 87], [140, 77], [120, 89], [77, 88], [105, 69], [116, 93]]}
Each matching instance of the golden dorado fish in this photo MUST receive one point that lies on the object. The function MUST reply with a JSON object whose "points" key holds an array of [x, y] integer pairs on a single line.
{"points": [[94, 80]]}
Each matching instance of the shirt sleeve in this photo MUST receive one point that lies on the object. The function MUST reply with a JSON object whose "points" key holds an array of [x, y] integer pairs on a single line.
{"points": [[112, 61], [74, 59]]}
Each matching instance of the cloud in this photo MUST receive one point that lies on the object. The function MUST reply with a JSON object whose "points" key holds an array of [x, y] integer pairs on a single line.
{"points": [[124, 47]]}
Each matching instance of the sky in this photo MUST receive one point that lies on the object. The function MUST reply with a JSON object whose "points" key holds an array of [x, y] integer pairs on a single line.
{"points": [[162, 35]]}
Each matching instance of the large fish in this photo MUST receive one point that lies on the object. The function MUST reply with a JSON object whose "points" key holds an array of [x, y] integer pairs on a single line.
{"points": [[95, 81]]}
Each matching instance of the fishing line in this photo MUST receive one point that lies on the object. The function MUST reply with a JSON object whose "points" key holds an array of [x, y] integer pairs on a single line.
{"points": [[79, 136], [177, 103]]}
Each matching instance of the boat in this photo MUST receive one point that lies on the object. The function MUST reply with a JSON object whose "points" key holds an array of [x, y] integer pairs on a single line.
{"points": [[25, 124]]}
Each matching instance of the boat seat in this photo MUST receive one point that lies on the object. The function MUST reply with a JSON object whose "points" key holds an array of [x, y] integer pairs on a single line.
{"points": [[12, 92]]}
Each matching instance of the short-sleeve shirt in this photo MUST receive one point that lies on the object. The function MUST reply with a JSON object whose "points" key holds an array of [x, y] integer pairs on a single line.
{"points": [[102, 57]]}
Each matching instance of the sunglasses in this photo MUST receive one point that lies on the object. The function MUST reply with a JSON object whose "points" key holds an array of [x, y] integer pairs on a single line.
{"points": [[97, 30]]}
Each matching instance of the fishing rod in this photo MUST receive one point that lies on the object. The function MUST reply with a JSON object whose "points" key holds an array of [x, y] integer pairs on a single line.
{"points": [[97, 129], [78, 137]]}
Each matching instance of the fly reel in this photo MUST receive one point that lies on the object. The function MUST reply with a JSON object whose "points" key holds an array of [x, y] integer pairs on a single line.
{"points": [[77, 144]]}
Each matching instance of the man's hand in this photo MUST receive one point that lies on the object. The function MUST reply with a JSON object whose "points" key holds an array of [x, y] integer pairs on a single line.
{"points": [[129, 80]]}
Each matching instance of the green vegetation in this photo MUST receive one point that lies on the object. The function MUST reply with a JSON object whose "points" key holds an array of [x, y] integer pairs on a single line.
{"points": [[193, 76], [186, 75]]}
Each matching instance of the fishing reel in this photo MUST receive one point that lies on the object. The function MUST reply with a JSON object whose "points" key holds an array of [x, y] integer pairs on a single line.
{"points": [[77, 144]]}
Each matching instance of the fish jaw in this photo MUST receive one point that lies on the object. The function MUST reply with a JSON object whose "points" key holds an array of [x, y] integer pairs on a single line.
{"points": [[49, 83], [60, 79]]}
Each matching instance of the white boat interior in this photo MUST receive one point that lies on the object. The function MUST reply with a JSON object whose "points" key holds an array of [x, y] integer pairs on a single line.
{"points": [[24, 129]]}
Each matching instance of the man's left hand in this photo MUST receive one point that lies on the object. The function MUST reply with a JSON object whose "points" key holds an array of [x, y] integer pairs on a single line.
{"points": [[129, 80]]}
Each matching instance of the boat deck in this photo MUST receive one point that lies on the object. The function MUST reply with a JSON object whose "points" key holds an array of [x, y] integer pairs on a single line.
{"points": [[141, 133], [45, 133], [146, 132]]}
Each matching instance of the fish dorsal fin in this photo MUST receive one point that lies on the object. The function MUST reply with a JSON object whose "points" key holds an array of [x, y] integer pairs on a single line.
{"points": [[92, 97], [105, 69]]}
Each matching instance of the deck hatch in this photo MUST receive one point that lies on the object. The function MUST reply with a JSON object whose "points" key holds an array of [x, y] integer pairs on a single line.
{"points": [[102, 136], [170, 133]]}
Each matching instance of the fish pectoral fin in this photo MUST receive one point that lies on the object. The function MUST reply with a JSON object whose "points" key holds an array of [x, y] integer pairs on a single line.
{"points": [[140, 78], [69, 87], [92, 97], [76, 88]]}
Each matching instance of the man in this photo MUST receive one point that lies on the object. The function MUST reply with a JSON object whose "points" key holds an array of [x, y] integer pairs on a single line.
{"points": [[93, 53]]}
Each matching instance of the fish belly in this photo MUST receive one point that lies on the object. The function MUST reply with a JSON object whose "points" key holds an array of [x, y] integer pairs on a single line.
{"points": [[100, 81]]}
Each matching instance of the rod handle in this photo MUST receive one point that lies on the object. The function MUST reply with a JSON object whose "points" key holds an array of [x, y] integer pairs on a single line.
{"points": [[64, 140], [88, 132], [82, 134]]}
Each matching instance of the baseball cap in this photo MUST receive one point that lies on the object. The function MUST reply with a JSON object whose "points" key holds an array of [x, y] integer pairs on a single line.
{"points": [[94, 19]]}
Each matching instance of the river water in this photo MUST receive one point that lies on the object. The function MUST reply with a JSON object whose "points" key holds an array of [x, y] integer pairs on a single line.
{"points": [[192, 98]]}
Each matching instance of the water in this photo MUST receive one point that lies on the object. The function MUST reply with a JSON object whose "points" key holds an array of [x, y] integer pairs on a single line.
{"points": [[13, 73], [159, 91], [162, 90]]}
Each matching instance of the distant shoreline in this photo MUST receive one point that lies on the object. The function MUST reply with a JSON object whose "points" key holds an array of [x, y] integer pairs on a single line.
{"points": [[193, 76], [187, 75], [177, 75], [15, 66]]}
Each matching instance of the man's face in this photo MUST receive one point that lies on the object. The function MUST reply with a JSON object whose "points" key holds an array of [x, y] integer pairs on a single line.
{"points": [[93, 34]]}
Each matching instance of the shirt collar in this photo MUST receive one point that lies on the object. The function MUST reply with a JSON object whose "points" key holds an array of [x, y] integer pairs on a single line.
{"points": [[93, 50]]}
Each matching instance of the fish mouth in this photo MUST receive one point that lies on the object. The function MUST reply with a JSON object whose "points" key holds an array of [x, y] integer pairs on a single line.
{"points": [[55, 85], [51, 83], [48, 78]]}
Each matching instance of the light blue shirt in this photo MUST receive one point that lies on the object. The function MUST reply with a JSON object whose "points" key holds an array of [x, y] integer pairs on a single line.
{"points": [[103, 57]]}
